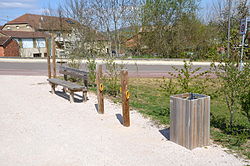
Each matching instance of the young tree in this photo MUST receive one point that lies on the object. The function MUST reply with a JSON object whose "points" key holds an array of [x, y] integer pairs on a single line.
{"points": [[234, 83]]}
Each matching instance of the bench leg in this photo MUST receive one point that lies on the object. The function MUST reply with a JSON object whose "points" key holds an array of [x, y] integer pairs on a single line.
{"points": [[71, 97], [84, 96], [53, 88]]}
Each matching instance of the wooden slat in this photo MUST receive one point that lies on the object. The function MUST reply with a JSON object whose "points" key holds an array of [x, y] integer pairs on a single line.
{"points": [[191, 130], [69, 85], [187, 125], [173, 120], [177, 119], [208, 120], [182, 122], [205, 123], [172, 112], [73, 72], [199, 121], [201, 136], [195, 122]]}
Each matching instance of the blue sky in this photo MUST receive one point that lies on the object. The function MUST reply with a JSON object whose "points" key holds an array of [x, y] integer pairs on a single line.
{"points": [[11, 9]]}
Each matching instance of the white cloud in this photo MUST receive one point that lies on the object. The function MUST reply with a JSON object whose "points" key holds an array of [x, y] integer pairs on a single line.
{"points": [[16, 5]]}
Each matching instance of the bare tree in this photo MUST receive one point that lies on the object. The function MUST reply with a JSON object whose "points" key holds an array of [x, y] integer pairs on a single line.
{"points": [[113, 15]]}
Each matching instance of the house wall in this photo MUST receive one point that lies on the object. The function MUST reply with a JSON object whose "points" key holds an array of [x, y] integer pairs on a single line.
{"points": [[29, 52], [12, 49], [29, 47], [1, 51], [18, 27]]}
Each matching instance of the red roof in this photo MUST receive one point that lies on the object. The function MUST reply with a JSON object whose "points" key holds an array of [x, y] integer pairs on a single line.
{"points": [[41, 22], [24, 34], [4, 40]]}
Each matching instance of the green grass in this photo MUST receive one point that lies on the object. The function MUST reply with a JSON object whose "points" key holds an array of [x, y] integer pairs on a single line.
{"points": [[149, 99]]}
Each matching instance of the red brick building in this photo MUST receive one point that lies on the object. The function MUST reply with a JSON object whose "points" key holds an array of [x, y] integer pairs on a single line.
{"points": [[8, 47]]}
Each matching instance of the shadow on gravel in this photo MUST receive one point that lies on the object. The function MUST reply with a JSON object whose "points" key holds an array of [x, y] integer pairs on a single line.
{"points": [[66, 96], [165, 133], [96, 107], [119, 117]]}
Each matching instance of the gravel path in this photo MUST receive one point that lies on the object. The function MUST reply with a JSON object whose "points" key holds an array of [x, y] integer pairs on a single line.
{"points": [[41, 129]]}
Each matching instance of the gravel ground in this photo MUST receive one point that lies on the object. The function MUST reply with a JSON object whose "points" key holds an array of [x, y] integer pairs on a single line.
{"points": [[41, 129]]}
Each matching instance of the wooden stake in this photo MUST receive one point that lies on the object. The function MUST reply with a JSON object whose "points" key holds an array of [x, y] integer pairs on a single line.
{"points": [[99, 89], [54, 56], [125, 98], [48, 58]]}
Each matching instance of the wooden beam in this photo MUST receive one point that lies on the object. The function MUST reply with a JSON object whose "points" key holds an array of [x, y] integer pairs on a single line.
{"points": [[71, 96], [54, 55], [99, 89], [48, 58], [125, 98]]}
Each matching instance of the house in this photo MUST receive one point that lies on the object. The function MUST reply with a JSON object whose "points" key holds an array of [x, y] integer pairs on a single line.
{"points": [[42, 23], [8, 47], [62, 30], [30, 44], [136, 43]]}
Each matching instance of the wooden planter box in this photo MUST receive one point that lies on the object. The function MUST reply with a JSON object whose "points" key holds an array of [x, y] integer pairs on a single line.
{"points": [[190, 120]]}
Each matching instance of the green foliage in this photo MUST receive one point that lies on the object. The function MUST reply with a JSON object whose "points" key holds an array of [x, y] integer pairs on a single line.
{"points": [[234, 85], [112, 79], [74, 61], [244, 96], [172, 29], [245, 104], [186, 80], [169, 87], [91, 65]]}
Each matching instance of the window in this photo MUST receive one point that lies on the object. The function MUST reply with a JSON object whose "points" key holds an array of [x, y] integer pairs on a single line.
{"points": [[8, 28], [27, 43], [28, 26], [17, 27], [69, 21], [37, 55], [40, 43]]}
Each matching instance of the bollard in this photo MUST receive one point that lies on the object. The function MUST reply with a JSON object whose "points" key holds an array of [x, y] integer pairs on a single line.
{"points": [[125, 98], [100, 89]]}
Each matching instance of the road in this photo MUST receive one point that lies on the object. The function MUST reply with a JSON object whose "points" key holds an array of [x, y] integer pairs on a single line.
{"points": [[144, 70]]}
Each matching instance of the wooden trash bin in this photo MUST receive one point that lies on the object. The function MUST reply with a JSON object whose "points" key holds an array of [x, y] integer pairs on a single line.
{"points": [[190, 120]]}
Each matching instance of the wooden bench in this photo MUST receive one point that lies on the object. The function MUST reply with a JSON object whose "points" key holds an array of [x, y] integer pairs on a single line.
{"points": [[68, 86]]}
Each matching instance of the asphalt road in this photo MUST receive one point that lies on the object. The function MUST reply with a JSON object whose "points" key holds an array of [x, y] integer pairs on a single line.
{"points": [[22, 68]]}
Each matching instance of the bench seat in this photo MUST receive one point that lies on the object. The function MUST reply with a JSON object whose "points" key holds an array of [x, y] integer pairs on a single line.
{"points": [[66, 84]]}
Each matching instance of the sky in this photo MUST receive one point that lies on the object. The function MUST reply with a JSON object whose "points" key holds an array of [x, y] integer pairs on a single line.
{"points": [[11, 9]]}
